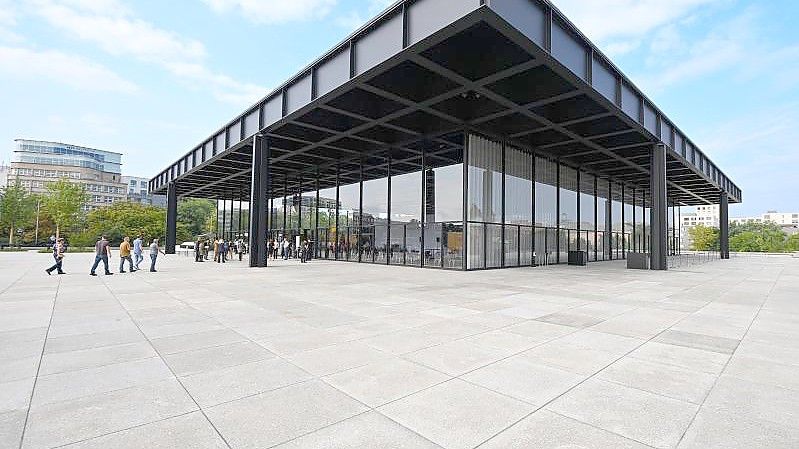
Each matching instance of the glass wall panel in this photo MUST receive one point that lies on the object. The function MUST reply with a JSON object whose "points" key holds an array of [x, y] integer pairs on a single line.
{"points": [[618, 221], [602, 193], [373, 228], [540, 246], [406, 209], [476, 246], [485, 198], [518, 187], [444, 207], [628, 211], [587, 214], [493, 242], [545, 193], [349, 197], [526, 246], [512, 245], [485, 180], [327, 221], [568, 197], [639, 221]]}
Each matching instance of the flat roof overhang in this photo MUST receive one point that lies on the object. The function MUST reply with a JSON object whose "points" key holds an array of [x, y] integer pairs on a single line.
{"points": [[422, 71]]}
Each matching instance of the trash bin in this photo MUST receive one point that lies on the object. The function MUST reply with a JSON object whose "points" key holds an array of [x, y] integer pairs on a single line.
{"points": [[578, 258]]}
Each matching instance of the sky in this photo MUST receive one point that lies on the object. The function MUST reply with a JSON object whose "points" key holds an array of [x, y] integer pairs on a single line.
{"points": [[151, 79]]}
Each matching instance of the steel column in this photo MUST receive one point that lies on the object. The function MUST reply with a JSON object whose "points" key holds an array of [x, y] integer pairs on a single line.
{"points": [[659, 209], [171, 218], [258, 201], [724, 226]]}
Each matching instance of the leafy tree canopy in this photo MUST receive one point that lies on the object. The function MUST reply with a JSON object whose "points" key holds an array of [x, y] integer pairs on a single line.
{"points": [[17, 209], [124, 219], [194, 217], [704, 238], [64, 203]]}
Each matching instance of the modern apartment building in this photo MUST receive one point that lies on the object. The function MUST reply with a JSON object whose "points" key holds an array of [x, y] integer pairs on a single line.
{"points": [[36, 163]]}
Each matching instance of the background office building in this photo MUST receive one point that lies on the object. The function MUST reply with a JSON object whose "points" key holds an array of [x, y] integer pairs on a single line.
{"points": [[138, 191], [36, 163], [460, 135]]}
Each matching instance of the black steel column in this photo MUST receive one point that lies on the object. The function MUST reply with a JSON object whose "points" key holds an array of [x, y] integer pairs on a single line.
{"points": [[171, 218], [241, 195], [388, 212], [502, 215], [259, 201], [724, 226], [424, 205], [658, 212], [360, 211]]}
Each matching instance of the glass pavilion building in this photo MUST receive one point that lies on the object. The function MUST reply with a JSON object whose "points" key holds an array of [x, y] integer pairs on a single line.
{"points": [[459, 135]]}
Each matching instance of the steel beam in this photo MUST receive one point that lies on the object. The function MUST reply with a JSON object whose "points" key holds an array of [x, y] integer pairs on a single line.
{"points": [[659, 209], [724, 225], [171, 218], [259, 198]]}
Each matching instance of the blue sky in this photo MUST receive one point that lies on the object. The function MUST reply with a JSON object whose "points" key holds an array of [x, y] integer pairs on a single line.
{"points": [[151, 78]]}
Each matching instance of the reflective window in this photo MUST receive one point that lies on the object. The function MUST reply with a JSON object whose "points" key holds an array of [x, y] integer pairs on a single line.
{"points": [[568, 197], [348, 221], [406, 207], [545, 193], [518, 187], [374, 225]]}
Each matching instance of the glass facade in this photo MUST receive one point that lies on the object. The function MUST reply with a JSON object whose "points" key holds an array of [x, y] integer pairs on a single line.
{"points": [[472, 203]]}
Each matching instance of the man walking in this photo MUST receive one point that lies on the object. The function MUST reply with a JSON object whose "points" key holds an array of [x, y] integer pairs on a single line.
{"points": [[137, 251], [102, 251], [58, 255], [124, 254], [154, 250]]}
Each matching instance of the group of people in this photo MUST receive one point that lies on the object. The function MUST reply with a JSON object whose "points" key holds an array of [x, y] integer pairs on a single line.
{"points": [[286, 249], [131, 253], [222, 249]]}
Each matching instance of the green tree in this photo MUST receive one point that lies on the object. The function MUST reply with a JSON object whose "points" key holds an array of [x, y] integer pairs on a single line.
{"points": [[704, 238], [757, 237], [64, 203], [125, 219], [792, 244], [17, 208], [195, 217]]}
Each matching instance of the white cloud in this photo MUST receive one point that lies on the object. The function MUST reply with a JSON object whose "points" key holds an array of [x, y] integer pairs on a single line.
{"points": [[275, 11], [115, 29], [8, 20], [71, 70], [734, 46], [353, 20], [604, 20]]}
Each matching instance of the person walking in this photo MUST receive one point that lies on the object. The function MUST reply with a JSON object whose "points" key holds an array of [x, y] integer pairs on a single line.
{"points": [[223, 249], [286, 249], [216, 251], [138, 255], [198, 252], [240, 249], [124, 254], [154, 250], [102, 251], [58, 255]]}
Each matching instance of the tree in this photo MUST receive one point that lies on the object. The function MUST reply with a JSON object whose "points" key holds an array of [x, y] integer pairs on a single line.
{"points": [[195, 215], [17, 208], [64, 202], [757, 237], [125, 219], [704, 238], [792, 244]]}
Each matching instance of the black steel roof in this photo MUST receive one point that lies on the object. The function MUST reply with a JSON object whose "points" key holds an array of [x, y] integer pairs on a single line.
{"points": [[425, 70]]}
